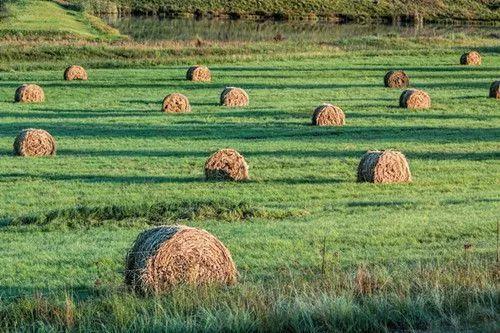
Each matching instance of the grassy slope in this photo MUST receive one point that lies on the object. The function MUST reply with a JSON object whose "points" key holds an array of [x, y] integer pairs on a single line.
{"points": [[46, 18]]}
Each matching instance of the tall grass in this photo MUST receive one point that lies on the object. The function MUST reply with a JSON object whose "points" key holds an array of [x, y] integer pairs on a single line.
{"points": [[438, 297]]}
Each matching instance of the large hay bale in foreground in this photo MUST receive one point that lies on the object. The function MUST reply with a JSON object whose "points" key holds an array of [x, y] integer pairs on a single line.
{"points": [[396, 79], [234, 97], [471, 58], [34, 142], [328, 115], [386, 166], [199, 74], [176, 103], [166, 256], [495, 90], [415, 99], [226, 164], [29, 93], [75, 73]]}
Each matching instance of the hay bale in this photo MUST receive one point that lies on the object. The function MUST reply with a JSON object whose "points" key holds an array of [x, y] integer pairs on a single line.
{"points": [[234, 97], [495, 90], [386, 166], [75, 73], [415, 99], [328, 115], [34, 142], [396, 79], [167, 256], [176, 103], [471, 59], [29, 93], [226, 164], [199, 74]]}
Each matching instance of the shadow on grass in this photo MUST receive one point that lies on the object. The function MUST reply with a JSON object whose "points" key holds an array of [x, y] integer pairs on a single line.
{"points": [[417, 115], [203, 154], [103, 178], [256, 131]]}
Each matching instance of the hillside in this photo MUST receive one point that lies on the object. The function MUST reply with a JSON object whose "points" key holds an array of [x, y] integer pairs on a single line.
{"points": [[49, 19]]}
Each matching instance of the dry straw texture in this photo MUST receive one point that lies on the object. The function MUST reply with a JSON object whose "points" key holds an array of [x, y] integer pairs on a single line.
{"points": [[471, 58], [328, 115], [29, 93], [176, 103], [199, 74], [75, 73], [385, 166], [396, 79], [34, 142], [226, 164], [234, 97], [166, 256], [415, 99], [495, 90]]}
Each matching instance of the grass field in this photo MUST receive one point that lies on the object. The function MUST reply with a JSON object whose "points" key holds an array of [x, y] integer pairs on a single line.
{"points": [[316, 251], [115, 148]]}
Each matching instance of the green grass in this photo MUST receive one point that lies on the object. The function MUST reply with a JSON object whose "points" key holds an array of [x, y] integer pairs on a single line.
{"points": [[316, 251], [48, 19], [298, 230]]}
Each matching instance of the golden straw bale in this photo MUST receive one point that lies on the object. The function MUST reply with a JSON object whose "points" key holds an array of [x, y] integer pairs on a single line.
{"points": [[226, 164], [167, 256], [199, 74], [396, 79], [34, 142], [75, 73], [495, 90], [471, 58], [29, 93], [415, 99], [328, 115], [176, 103], [386, 166], [234, 97]]}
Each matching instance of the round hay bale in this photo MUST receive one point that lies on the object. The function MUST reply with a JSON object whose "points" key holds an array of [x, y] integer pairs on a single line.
{"points": [[167, 256], [234, 97], [495, 90], [415, 99], [226, 164], [176, 103], [75, 73], [29, 93], [386, 166], [328, 115], [471, 58], [396, 79], [199, 74], [34, 142]]}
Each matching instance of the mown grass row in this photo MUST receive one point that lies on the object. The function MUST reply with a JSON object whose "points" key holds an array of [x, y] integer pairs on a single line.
{"points": [[153, 213]]}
